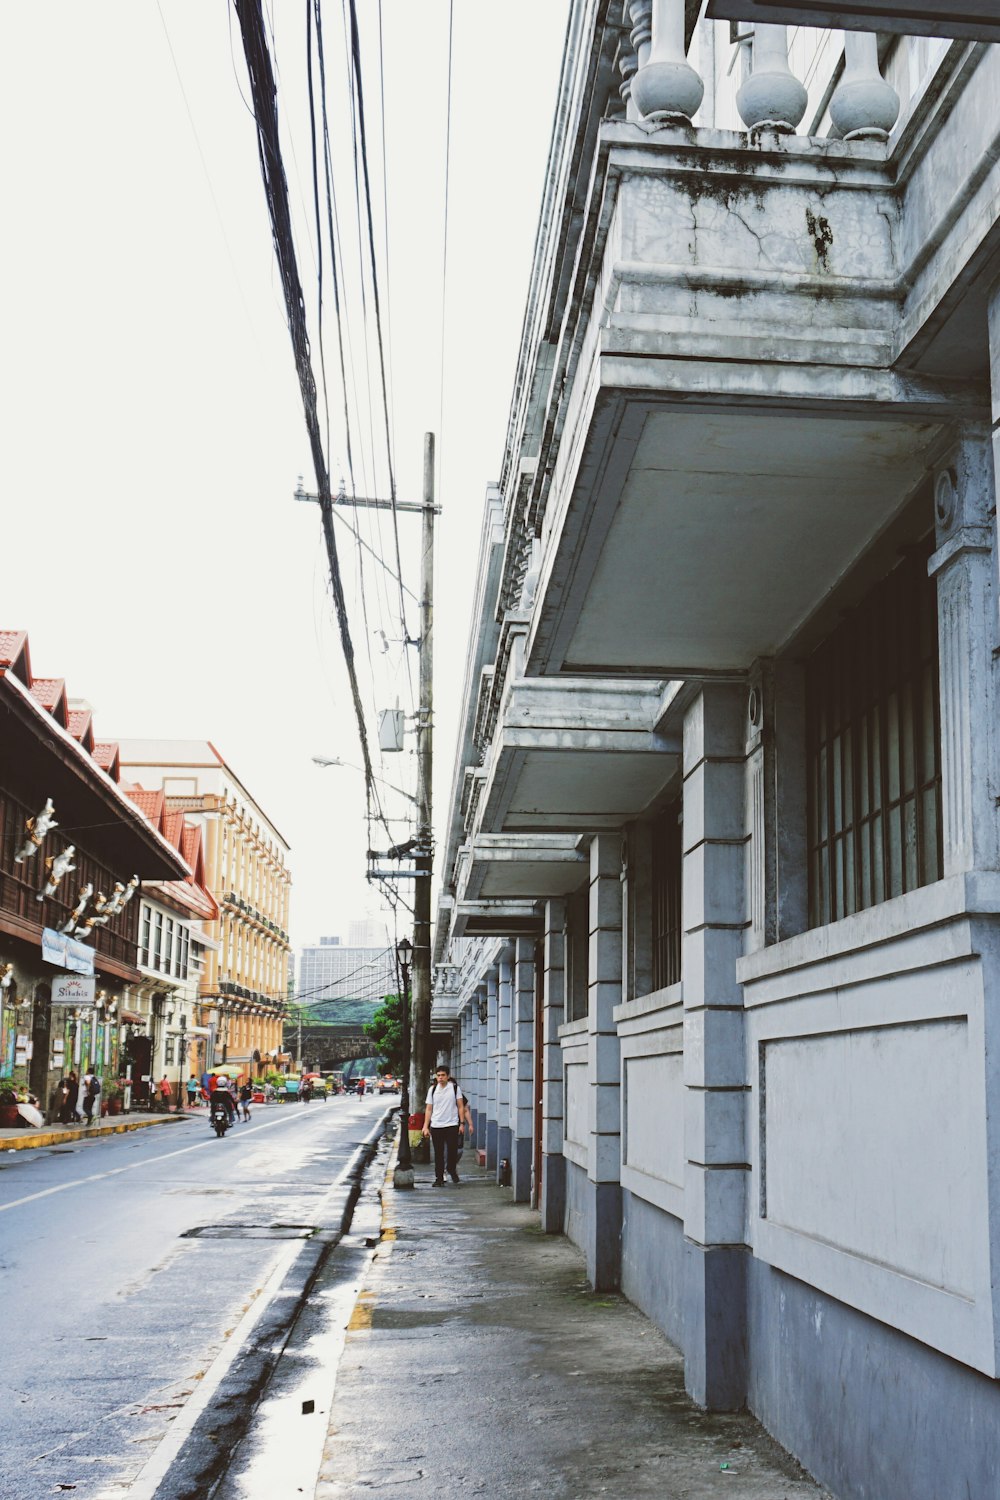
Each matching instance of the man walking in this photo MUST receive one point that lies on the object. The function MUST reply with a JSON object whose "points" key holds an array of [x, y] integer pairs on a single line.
{"points": [[444, 1113]]}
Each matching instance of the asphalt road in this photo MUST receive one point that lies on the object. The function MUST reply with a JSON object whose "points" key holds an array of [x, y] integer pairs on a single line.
{"points": [[126, 1265]]}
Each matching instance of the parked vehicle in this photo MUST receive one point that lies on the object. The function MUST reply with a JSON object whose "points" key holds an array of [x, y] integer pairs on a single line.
{"points": [[388, 1085]]}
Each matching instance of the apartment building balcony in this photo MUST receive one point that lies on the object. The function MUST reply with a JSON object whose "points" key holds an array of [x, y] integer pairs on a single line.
{"points": [[743, 355]]}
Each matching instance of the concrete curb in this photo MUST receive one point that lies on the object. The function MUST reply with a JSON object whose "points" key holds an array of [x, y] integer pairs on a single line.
{"points": [[26, 1140]]}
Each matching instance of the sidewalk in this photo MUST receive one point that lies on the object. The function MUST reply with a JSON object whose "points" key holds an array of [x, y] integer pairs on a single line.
{"points": [[59, 1135], [478, 1357]]}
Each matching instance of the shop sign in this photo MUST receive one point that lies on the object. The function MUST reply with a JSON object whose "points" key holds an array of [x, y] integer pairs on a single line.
{"points": [[72, 989], [65, 952]]}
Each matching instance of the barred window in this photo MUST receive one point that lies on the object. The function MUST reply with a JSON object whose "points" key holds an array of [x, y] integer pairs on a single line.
{"points": [[666, 902], [873, 746]]}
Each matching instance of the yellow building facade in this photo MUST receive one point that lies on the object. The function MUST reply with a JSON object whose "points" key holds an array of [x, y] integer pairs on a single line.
{"points": [[243, 989]]}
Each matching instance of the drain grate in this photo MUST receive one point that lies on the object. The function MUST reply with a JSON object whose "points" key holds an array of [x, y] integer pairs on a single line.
{"points": [[249, 1232]]}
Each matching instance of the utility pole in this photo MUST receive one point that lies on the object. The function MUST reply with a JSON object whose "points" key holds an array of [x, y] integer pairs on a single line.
{"points": [[424, 859], [422, 1059]]}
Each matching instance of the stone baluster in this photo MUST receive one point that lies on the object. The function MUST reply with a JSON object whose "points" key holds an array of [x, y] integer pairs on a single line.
{"points": [[627, 65], [772, 98], [665, 88], [863, 103]]}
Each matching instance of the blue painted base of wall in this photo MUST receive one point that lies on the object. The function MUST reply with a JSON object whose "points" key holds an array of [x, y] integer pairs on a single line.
{"points": [[505, 1140], [521, 1169], [653, 1264], [491, 1145], [715, 1325], [594, 1223], [868, 1410], [553, 1203]]}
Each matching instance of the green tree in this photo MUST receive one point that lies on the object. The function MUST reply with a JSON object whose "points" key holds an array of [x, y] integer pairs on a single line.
{"points": [[386, 1030]]}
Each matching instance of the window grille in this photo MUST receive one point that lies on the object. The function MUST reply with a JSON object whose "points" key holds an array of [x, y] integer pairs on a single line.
{"points": [[873, 747], [666, 903]]}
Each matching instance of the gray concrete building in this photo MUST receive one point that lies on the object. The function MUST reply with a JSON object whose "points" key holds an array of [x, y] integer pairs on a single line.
{"points": [[718, 944], [332, 970]]}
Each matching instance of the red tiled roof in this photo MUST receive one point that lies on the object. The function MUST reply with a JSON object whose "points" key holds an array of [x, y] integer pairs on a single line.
{"points": [[79, 721], [106, 755], [48, 691], [150, 804], [12, 643], [191, 844], [172, 828], [194, 897]]}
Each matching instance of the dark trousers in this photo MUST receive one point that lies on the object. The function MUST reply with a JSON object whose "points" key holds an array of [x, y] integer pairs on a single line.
{"points": [[445, 1138]]}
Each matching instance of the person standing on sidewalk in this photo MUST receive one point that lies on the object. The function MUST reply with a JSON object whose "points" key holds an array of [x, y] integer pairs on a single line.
{"points": [[444, 1113], [165, 1093]]}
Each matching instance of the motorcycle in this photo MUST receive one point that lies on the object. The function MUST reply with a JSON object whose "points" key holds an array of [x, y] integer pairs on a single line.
{"points": [[220, 1119]]}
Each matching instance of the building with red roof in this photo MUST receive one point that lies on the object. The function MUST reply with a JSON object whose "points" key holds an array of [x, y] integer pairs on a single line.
{"points": [[73, 849]]}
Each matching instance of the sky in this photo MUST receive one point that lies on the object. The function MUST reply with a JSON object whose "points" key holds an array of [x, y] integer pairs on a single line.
{"points": [[153, 429]]}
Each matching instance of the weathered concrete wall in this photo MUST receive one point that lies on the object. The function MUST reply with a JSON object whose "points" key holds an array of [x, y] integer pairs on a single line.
{"points": [[873, 1414], [653, 1264]]}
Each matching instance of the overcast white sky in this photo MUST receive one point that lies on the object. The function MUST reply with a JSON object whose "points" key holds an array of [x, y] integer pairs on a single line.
{"points": [[153, 430]]}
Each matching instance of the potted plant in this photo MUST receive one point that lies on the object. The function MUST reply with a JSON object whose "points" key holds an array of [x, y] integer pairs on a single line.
{"points": [[9, 1116], [112, 1103]]}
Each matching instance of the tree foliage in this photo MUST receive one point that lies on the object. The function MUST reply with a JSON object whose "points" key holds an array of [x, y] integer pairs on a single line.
{"points": [[386, 1031]]}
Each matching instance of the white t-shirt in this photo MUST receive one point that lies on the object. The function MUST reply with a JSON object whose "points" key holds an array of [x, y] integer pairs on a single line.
{"points": [[442, 1106]]}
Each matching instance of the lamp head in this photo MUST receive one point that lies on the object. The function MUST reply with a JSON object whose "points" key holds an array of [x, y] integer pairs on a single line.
{"points": [[404, 951]]}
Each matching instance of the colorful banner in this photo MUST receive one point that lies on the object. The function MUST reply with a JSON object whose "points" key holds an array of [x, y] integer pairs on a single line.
{"points": [[66, 953]]}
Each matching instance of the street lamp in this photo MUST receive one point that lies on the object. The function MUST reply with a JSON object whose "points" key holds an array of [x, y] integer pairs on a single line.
{"points": [[403, 1175], [181, 1055]]}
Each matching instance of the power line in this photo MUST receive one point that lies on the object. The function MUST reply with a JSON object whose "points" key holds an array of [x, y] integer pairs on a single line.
{"points": [[264, 97]]}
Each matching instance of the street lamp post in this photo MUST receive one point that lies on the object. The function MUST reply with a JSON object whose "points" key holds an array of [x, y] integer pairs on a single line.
{"points": [[403, 1175], [181, 1055]]}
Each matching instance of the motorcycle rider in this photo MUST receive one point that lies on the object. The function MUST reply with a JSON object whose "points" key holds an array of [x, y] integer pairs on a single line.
{"points": [[221, 1098]]}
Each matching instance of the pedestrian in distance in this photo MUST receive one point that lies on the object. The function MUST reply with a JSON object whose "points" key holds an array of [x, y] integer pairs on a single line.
{"points": [[246, 1094], [165, 1092], [444, 1116], [66, 1091], [192, 1091], [91, 1097]]}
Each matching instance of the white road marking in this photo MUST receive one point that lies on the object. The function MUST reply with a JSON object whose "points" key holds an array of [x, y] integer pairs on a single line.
{"points": [[147, 1161]]}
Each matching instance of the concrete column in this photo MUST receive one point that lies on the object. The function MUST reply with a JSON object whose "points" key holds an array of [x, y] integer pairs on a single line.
{"points": [[714, 1057], [523, 1072], [505, 1134], [482, 1067], [491, 1069], [604, 1211], [553, 1195], [464, 1072], [965, 568]]}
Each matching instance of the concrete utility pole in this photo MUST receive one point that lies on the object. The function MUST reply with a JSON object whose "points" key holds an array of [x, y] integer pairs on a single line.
{"points": [[424, 858], [422, 1059]]}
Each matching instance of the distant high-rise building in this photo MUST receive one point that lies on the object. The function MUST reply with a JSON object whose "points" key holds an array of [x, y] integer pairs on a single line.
{"points": [[331, 970], [368, 932]]}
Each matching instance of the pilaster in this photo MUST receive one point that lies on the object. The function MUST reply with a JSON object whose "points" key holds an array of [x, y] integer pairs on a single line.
{"points": [[715, 772], [964, 566], [523, 1070], [505, 988], [492, 1068], [553, 1194], [603, 1248]]}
